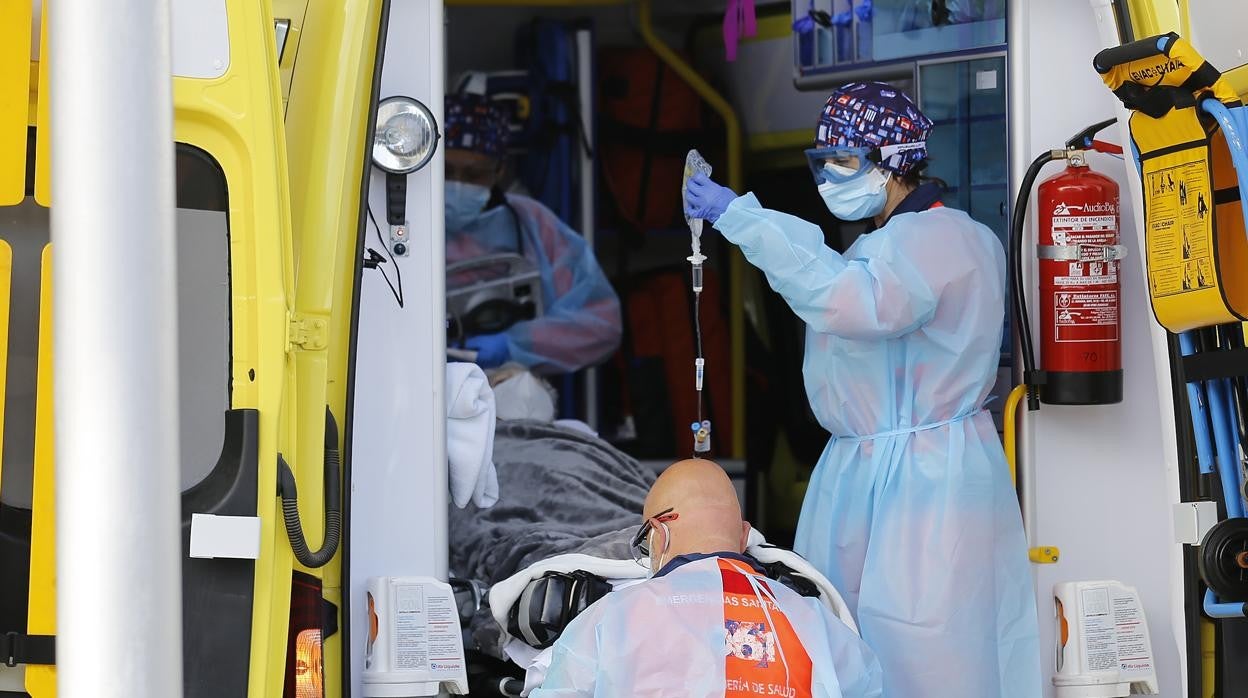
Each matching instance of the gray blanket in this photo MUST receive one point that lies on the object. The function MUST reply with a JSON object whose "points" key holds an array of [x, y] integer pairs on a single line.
{"points": [[560, 491]]}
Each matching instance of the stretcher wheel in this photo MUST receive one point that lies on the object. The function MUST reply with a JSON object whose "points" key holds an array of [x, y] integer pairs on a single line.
{"points": [[1223, 559]]}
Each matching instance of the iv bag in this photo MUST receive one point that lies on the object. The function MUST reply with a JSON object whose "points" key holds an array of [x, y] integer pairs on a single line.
{"points": [[694, 163]]}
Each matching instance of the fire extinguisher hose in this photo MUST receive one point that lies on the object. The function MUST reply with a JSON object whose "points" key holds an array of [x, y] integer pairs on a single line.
{"points": [[1021, 317]]}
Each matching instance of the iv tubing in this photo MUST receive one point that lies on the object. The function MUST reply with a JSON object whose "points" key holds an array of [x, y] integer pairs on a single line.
{"points": [[732, 125]]}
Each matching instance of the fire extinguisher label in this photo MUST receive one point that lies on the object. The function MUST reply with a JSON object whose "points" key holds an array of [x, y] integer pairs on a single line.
{"points": [[1180, 229], [1082, 316], [1095, 230]]}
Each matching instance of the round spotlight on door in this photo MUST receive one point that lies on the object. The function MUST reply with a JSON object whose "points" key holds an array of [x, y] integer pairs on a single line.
{"points": [[406, 136]]}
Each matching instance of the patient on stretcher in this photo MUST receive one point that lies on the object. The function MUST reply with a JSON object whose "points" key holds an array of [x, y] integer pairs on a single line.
{"points": [[709, 622]]}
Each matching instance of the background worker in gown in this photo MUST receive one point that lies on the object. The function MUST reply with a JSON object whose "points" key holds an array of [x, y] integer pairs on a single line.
{"points": [[910, 511], [580, 325]]}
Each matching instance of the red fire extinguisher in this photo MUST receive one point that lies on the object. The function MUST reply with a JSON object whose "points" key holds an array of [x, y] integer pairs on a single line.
{"points": [[1080, 256]]}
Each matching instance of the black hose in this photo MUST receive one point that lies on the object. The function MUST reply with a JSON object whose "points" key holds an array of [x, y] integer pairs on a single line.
{"points": [[333, 491], [1031, 377], [1233, 338]]}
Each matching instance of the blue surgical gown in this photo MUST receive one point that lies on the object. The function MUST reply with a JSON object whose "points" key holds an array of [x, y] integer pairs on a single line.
{"points": [[910, 511], [710, 628], [580, 325]]}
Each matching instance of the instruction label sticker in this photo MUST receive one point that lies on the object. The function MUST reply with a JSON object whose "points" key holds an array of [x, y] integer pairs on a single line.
{"points": [[411, 646], [1082, 316], [426, 631], [1100, 637], [1135, 658], [444, 637], [1115, 635], [1180, 228]]}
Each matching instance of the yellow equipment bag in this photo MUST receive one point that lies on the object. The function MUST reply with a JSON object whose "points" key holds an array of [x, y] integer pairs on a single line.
{"points": [[1187, 130]]}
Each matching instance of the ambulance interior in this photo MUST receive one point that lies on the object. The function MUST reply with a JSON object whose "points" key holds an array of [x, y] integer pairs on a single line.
{"points": [[608, 96], [646, 117], [1099, 484]]}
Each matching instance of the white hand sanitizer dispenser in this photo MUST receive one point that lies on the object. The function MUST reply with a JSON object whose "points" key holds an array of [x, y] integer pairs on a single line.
{"points": [[414, 642], [1103, 647]]}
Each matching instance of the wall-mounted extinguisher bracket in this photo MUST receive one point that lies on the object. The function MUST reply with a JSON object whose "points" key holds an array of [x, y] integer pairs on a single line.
{"points": [[1078, 252]]}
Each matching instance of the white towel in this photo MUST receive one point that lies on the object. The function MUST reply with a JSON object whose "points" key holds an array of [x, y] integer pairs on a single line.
{"points": [[470, 436]]}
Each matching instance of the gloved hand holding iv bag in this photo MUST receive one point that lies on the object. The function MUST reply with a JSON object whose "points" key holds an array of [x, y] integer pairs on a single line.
{"points": [[706, 199]]}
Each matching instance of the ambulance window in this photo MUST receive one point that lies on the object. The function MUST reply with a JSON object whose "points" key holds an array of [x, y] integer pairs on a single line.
{"points": [[203, 310], [1218, 30], [203, 324], [25, 228]]}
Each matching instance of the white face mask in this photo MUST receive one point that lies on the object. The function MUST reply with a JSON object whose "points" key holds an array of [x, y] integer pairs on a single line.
{"points": [[464, 202], [862, 197], [524, 396], [656, 563]]}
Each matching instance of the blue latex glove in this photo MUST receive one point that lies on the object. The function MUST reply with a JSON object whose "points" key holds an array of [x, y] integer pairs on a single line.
{"points": [[492, 349], [707, 200], [865, 10]]}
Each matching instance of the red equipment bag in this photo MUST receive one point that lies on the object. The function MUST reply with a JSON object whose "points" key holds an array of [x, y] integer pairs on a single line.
{"points": [[648, 119], [660, 329]]}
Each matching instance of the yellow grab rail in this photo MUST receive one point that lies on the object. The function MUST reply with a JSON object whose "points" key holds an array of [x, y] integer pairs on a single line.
{"points": [[1011, 427]]}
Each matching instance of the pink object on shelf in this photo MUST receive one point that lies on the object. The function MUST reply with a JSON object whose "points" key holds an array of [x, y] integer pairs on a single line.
{"points": [[739, 21]]}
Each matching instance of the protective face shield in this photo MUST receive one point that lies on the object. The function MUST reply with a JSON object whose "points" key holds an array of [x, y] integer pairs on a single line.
{"points": [[839, 164], [857, 196], [464, 203]]}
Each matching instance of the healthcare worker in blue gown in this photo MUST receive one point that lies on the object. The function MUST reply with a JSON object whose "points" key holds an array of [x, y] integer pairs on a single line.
{"points": [[580, 326], [910, 511]]}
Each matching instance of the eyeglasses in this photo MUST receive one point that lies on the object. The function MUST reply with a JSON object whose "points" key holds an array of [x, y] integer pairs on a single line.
{"points": [[839, 164], [640, 544]]}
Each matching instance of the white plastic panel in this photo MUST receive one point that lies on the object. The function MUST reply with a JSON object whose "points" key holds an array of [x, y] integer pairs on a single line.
{"points": [[1102, 479], [200, 37], [1218, 31], [231, 537], [398, 483]]}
